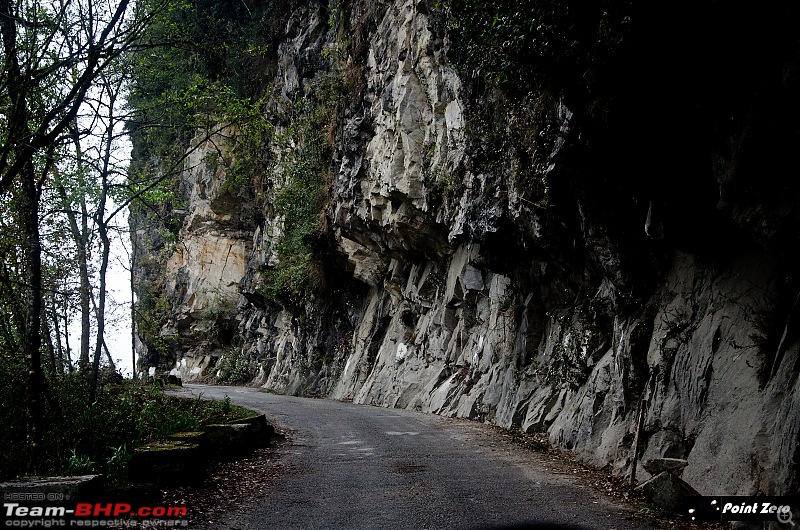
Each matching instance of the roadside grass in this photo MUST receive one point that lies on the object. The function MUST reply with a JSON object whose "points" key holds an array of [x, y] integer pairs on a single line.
{"points": [[85, 438]]}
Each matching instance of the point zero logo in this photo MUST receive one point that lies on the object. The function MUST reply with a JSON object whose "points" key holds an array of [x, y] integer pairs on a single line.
{"points": [[742, 509]]}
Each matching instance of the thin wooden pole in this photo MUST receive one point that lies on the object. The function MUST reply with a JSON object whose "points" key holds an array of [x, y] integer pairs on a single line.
{"points": [[639, 422]]}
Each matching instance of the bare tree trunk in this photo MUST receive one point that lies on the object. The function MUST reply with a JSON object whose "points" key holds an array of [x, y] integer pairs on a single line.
{"points": [[48, 336], [635, 456], [102, 229], [111, 362], [61, 365], [31, 337], [80, 235], [19, 140], [82, 242], [133, 309], [68, 349]]}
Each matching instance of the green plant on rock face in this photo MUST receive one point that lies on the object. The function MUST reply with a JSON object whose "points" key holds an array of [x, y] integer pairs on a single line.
{"points": [[117, 463], [79, 464], [429, 149], [220, 313], [250, 141], [212, 161], [152, 311], [444, 181], [303, 175], [536, 43], [334, 12], [522, 60], [313, 361], [513, 137], [235, 366]]}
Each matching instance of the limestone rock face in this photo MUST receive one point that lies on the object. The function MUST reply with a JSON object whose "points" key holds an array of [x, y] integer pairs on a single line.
{"points": [[557, 305], [206, 264]]}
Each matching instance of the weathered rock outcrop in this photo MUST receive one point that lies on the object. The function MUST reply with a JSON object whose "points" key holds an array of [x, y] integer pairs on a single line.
{"points": [[202, 270], [648, 263]]}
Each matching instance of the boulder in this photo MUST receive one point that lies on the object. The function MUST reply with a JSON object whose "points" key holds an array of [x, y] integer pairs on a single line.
{"points": [[668, 492], [655, 466]]}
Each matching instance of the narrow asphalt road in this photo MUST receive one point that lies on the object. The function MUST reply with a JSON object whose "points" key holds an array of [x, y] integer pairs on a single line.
{"points": [[360, 467]]}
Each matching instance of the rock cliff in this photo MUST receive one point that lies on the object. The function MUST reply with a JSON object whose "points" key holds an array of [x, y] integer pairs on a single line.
{"points": [[519, 260]]}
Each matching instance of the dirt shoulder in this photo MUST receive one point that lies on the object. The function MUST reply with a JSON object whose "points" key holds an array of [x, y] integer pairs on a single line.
{"points": [[562, 461], [231, 487]]}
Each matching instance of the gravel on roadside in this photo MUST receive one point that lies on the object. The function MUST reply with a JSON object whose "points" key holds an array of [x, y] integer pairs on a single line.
{"points": [[230, 487]]}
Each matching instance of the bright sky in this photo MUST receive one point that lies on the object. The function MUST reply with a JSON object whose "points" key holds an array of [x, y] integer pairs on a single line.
{"points": [[118, 288], [118, 310], [118, 333]]}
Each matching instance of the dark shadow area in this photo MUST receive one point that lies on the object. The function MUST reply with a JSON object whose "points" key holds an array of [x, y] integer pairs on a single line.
{"points": [[535, 526]]}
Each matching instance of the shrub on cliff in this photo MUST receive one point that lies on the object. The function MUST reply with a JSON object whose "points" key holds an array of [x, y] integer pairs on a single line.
{"points": [[534, 44]]}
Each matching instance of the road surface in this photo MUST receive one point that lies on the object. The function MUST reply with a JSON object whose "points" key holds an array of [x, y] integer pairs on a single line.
{"points": [[362, 467]]}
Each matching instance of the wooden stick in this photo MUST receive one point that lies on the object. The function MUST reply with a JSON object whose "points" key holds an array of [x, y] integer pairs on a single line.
{"points": [[639, 422]]}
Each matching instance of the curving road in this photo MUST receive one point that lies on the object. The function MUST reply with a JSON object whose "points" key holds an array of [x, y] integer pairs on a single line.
{"points": [[360, 467]]}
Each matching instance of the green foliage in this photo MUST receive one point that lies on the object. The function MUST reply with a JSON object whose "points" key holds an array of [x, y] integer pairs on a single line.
{"points": [[205, 67], [513, 136], [299, 202], [235, 366], [520, 59], [334, 12], [152, 310], [213, 412], [567, 369], [158, 418], [438, 173], [249, 141], [98, 438], [444, 182], [220, 314], [79, 465], [12, 415], [314, 360], [198, 44], [210, 66], [529, 44], [117, 464], [11, 295], [570, 361], [151, 192], [80, 438], [303, 176]]}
